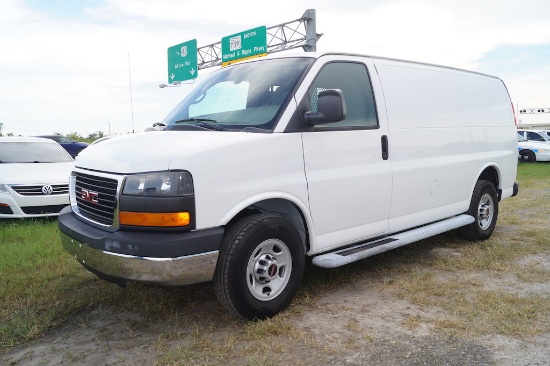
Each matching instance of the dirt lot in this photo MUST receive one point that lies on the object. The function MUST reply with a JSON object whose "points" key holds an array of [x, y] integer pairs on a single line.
{"points": [[355, 315]]}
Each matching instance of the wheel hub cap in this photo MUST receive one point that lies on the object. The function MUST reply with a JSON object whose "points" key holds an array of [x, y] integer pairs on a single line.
{"points": [[269, 269], [485, 214], [265, 268]]}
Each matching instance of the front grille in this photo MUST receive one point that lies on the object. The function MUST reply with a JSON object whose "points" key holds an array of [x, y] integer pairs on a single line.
{"points": [[100, 189], [36, 190], [39, 210]]}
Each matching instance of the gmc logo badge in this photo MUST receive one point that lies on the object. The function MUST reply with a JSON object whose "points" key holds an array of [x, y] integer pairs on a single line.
{"points": [[89, 196]]}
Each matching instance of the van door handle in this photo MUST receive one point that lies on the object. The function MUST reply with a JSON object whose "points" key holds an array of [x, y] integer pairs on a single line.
{"points": [[385, 152]]}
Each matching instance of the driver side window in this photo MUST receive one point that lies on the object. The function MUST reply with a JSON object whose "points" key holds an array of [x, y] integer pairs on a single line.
{"points": [[354, 81]]}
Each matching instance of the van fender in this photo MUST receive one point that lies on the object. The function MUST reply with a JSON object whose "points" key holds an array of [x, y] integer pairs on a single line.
{"points": [[489, 171], [275, 195]]}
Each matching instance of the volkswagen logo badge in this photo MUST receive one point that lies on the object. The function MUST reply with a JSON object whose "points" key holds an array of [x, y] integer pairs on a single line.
{"points": [[47, 190]]}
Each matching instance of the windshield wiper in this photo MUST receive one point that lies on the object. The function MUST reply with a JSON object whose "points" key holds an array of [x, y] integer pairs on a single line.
{"points": [[210, 124]]}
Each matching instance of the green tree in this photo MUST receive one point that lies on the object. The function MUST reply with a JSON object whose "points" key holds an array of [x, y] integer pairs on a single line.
{"points": [[75, 136], [94, 136]]}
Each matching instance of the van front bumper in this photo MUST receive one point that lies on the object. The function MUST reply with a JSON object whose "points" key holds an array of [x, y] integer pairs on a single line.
{"points": [[171, 258]]}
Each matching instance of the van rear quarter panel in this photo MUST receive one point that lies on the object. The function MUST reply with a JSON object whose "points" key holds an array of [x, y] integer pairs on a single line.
{"points": [[445, 127]]}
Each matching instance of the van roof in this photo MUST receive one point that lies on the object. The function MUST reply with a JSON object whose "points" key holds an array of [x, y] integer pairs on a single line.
{"points": [[317, 55]]}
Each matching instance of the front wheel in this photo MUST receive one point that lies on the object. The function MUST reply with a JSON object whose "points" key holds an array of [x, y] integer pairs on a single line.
{"points": [[484, 209], [260, 267]]}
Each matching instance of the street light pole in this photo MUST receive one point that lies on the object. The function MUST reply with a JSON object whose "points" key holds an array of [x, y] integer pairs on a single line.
{"points": [[131, 99]]}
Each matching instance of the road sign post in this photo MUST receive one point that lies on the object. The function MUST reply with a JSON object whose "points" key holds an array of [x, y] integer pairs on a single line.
{"points": [[182, 61], [244, 45]]}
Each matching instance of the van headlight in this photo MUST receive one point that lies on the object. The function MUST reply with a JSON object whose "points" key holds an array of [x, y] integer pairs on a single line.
{"points": [[159, 184], [156, 189], [3, 189]]}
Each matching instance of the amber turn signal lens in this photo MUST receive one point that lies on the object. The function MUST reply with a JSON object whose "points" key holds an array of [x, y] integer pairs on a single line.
{"points": [[168, 219]]}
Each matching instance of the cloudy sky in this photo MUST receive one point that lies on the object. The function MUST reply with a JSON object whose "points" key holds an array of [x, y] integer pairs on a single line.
{"points": [[66, 65]]}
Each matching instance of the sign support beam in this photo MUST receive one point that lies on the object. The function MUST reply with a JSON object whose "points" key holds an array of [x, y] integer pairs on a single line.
{"points": [[534, 110], [296, 33]]}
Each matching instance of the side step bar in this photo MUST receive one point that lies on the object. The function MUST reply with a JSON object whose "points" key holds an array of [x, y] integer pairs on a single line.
{"points": [[367, 249]]}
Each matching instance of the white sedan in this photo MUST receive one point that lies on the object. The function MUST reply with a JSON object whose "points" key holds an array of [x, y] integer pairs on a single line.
{"points": [[34, 177], [531, 151]]}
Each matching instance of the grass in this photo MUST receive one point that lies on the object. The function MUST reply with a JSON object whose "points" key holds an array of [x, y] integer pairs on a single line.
{"points": [[42, 287], [460, 284], [40, 283]]}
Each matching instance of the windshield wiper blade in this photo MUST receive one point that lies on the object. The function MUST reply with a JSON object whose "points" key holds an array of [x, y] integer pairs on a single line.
{"points": [[195, 120], [210, 124]]}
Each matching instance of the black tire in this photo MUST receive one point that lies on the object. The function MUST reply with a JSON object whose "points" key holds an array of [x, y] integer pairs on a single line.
{"points": [[484, 209], [260, 266], [527, 156]]}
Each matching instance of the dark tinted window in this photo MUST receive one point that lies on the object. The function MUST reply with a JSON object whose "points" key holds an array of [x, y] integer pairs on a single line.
{"points": [[354, 81], [535, 136], [32, 152], [60, 139]]}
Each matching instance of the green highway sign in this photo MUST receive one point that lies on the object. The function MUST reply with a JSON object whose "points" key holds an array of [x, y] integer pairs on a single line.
{"points": [[244, 45], [182, 61]]}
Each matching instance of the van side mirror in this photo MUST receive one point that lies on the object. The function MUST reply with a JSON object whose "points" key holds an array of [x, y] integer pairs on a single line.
{"points": [[331, 107]]}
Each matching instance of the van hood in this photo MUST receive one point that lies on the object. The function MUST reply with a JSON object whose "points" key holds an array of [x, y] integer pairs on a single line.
{"points": [[154, 150]]}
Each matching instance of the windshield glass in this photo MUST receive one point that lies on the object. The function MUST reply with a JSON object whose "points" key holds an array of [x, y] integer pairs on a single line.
{"points": [[240, 97], [32, 152]]}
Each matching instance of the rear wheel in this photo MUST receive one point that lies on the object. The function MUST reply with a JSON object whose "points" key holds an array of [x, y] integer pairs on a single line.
{"points": [[260, 266], [527, 156], [484, 209]]}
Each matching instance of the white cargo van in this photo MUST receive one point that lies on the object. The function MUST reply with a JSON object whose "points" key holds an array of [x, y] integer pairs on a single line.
{"points": [[332, 156]]}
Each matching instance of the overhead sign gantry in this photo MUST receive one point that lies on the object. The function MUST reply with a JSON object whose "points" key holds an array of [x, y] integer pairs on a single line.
{"points": [[534, 110], [185, 59]]}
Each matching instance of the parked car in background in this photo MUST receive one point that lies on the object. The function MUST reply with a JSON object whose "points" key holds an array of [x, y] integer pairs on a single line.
{"points": [[531, 151], [34, 177], [73, 147], [534, 135], [100, 140]]}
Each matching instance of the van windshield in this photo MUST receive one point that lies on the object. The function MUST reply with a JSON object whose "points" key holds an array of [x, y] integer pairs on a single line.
{"points": [[245, 97]]}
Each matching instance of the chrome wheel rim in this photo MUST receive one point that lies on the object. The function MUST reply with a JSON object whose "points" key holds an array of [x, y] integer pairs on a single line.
{"points": [[486, 211], [269, 269]]}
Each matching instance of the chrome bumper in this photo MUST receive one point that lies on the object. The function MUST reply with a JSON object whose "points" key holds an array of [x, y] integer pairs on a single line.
{"points": [[163, 271]]}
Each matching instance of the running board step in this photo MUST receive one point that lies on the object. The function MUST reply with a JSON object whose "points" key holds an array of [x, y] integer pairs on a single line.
{"points": [[370, 248]]}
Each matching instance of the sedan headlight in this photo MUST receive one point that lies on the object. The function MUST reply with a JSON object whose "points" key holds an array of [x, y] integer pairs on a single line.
{"points": [[159, 184]]}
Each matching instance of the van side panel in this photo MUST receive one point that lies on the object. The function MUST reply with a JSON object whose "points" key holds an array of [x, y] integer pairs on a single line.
{"points": [[445, 127], [485, 100]]}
